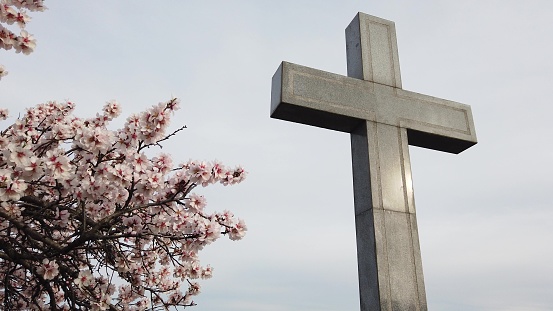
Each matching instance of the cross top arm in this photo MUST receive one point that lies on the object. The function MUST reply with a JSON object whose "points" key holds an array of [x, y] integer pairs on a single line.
{"points": [[323, 99]]}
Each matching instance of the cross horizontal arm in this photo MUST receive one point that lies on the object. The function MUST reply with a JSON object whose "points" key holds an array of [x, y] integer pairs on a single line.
{"points": [[314, 97]]}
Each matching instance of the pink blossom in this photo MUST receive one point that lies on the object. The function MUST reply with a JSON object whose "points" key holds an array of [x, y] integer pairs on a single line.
{"points": [[7, 13], [196, 203], [13, 210], [25, 43], [207, 272], [112, 109], [235, 176], [5, 177], [194, 270], [95, 139], [199, 172], [63, 131], [219, 171], [33, 170], [194, 288], [140, 162], [14, 191], [22, 19], [58, 164], [7, 38], [84, 279], [238, 231], [48, 270], [18, 156], [163, 163]]}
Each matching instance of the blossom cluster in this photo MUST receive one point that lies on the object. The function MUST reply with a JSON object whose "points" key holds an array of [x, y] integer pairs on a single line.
{"points": [[15, 12], [90, 221]]}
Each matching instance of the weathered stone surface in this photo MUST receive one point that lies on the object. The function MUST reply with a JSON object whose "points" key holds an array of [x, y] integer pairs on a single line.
{"points": [[383, 120]]}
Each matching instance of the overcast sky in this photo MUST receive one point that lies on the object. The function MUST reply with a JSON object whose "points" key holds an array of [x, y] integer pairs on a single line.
{"points": [[485, 216]]}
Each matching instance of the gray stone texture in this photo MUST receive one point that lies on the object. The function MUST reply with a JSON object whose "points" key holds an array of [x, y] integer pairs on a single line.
{"points": [[383, 120]]}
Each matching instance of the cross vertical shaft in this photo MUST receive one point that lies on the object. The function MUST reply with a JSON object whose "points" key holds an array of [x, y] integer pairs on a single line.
{"points": [[389, 260]]}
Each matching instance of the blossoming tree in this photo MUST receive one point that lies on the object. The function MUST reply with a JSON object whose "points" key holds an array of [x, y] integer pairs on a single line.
{"points": [[88, 219]]}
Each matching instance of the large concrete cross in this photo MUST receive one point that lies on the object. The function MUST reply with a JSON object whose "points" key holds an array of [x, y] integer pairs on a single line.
{"points": [[383, 119]]}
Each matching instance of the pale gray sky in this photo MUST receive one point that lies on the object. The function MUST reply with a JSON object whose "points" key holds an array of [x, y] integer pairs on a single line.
{"points": [[485, 216]]}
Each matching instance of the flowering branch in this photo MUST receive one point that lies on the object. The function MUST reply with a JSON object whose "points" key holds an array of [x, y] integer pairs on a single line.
{"points": [[15, 12]]}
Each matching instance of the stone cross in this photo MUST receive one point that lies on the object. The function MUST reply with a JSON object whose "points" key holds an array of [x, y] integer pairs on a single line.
{"points": [[383, 119]]}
